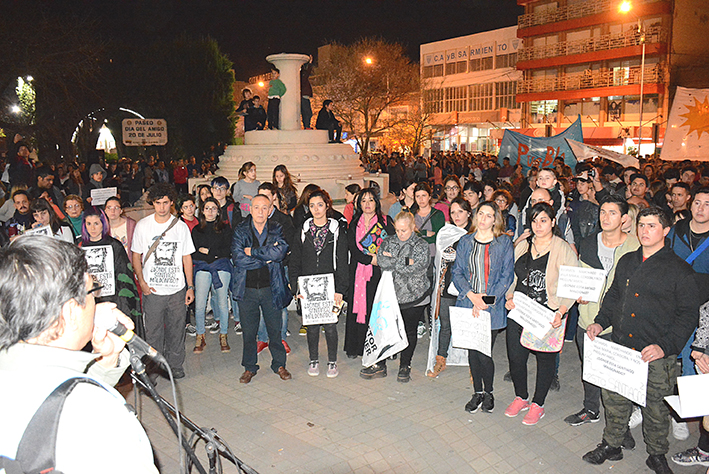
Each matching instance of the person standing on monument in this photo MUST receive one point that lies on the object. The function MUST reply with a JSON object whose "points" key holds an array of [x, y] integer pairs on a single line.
{"points": [[276, 90]]}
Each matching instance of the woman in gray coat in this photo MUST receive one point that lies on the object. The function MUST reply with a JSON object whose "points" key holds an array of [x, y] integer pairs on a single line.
{"points": [[406, 255]]}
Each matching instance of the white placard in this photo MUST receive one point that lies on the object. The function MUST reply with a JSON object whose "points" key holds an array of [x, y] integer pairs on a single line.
{"points": [[532, 316], [386, 334], [692, 400], [468, 332], [318, 300], [100, 260], [575, 282], [44, 230], [615, 368], [99, 196]]}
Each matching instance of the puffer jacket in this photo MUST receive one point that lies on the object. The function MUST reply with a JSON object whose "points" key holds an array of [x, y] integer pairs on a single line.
{"points": [[410, 281]]}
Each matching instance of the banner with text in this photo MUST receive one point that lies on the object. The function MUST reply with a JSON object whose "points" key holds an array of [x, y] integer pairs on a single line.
{"points": [[144, 132], [540, 151]]}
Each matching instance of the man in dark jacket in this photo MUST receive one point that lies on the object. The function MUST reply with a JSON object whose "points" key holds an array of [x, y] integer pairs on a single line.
{"points": [[326, 121], [653, 306], [259, 284]]}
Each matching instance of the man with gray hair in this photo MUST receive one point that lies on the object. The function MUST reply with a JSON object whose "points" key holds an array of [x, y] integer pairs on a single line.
{"points": [[47, 310]]}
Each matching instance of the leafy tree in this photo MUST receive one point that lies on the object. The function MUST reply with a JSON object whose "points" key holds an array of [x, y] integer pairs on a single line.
{"points": [[365, 79]]}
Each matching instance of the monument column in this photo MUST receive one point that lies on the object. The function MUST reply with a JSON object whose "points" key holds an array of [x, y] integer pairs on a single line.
{"points": [[289, 65]]}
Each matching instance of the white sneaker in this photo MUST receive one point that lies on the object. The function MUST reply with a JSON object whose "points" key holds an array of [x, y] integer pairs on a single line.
{"points": [[332, 371], [314, 368], [636, 418], [680, 430]]}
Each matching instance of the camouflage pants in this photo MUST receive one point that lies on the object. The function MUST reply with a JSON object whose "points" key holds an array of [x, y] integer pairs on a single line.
{"points": [[661, 380]]}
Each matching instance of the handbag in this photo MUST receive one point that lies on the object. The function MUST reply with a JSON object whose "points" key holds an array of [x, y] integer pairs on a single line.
{"points": [[373, 238], [553, 340]]}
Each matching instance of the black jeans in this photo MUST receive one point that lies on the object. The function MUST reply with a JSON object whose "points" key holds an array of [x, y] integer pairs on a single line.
{"points": [[482, 367], [274, 107], [591, 393], [444, 336], [255, 302], [518, 355], [411, 317], [313, 333]]}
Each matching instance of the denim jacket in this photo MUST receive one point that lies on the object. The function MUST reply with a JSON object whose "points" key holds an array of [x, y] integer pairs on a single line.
{"points": [[499, 280], [271, 254]]}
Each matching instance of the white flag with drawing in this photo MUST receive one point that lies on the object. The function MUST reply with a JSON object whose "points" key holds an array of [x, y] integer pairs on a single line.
{"points": [[687, 135]]}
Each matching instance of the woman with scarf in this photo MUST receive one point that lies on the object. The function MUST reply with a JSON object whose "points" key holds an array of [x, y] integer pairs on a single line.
{"points": [[110, 265], [444, 293], [212, 268], [367, 230], [74, 210], [484, 267]]}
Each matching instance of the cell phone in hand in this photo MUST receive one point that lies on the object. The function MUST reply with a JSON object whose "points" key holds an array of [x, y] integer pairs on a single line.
{"points": [[489, 299]]}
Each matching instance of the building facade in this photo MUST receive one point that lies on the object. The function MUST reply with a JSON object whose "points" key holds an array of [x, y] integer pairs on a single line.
{"points": [[589, 58], [469, 87]]}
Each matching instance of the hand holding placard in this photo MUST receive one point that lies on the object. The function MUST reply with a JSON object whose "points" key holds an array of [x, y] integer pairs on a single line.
{"points": [[532, 316], [578, 282]]}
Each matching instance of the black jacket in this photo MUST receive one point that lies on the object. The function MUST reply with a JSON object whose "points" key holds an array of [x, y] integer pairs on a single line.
{"points": [[331, 259], [652, 302]]}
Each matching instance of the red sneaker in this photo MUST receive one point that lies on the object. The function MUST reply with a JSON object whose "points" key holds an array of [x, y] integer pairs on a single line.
{"points": [[285, 344], [260, 346]]}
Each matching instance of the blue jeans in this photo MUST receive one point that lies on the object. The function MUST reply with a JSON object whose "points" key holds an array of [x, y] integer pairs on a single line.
{"points": [[263, 334], [253, 301], [687, 362], [202, 285]]}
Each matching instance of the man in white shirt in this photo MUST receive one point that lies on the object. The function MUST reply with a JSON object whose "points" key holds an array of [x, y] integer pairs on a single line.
{"points": [[164, 272]]}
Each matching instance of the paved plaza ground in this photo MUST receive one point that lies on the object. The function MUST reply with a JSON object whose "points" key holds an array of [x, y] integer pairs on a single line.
{"points": [[347, 424]]}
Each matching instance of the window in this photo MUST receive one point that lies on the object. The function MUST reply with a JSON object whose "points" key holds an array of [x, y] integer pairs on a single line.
{"points": [[433, 101], [456, 99], [481, 97], [506, 60], [433, 71], [481, 64], [543, 111], [505, 93]]}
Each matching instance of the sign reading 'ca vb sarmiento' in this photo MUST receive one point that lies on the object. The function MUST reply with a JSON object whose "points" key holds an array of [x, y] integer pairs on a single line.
{"points": [[144, 132]]}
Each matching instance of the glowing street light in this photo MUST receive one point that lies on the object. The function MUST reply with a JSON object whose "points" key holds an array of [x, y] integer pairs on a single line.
{"points": [[15, 109], [625, 7], [368, 61], [260, 84], [29, 78]]}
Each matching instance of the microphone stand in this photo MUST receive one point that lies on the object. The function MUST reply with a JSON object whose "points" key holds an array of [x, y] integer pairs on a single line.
{"points": [[214, 445]]}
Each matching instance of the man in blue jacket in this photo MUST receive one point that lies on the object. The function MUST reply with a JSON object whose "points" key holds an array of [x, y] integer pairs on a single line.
{"points": [[259, 284]]}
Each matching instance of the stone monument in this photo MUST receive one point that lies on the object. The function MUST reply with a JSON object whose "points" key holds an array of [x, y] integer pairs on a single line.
{"points": [[306, 153]]}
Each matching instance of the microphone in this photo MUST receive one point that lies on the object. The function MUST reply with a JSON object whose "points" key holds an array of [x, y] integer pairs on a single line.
{"points": [[109, 322]]}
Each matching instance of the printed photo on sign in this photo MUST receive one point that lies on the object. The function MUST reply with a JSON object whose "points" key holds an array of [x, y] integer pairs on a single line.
{"points": [[318, 302], [164, 270], [100, 260], [615, 368], [44, 230]]}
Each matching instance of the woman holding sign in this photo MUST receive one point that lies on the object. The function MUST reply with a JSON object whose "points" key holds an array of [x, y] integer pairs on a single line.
{"points": [[366, 232], [537, 262], [482, 272], [406, 255], [110, 265], [320, 248]]}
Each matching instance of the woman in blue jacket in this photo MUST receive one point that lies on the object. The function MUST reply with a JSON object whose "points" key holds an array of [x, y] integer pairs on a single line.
{"points": [[484, 266]]}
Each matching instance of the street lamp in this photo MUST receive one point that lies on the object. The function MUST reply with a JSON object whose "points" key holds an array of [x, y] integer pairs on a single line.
{"points": [[15, 109], [625, 7], [368, 61]]}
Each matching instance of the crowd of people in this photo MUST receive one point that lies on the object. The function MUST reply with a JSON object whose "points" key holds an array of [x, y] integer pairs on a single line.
{"points": [[460, 230]]}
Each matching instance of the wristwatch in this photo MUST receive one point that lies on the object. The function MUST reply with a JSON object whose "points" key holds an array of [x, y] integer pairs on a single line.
{"points": [[190, 287]]}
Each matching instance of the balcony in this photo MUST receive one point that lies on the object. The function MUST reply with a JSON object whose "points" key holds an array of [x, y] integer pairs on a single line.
{"points": [[571, 12], [592, 80], [654, 34]]}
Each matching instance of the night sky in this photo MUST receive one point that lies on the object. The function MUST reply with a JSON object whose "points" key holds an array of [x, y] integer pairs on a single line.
{"points": [[248, 31]]}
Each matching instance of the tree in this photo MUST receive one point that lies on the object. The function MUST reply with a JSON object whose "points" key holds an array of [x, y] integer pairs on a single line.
{"points": [[409, 130], [364, 80]]}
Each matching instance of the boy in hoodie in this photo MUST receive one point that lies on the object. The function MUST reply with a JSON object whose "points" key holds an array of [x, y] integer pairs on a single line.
{"points": [[97, 175], [276, 90]]}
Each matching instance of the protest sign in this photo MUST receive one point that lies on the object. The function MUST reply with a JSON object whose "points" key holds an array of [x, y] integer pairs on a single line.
{"points": [[318, 302], [615, 368], [469, 332], [532, 316], [386, 334], [99, 196], [692, 399], [100, 260], [575, 282], [43, 230]]}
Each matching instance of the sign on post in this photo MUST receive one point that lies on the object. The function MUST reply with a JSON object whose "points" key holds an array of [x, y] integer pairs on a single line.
{"points": [[144, 132]]}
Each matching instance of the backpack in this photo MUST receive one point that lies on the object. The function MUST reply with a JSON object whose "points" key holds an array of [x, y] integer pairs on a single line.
{"points": [[36, 452]]}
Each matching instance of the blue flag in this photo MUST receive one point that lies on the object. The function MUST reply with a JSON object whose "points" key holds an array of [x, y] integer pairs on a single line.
{"points": [[540, 152]]}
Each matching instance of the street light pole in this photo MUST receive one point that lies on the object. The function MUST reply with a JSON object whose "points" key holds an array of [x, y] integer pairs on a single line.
{"points": [[641, 30]]}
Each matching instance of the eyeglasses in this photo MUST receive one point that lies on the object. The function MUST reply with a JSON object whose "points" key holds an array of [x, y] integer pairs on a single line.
{"points": [[73, 206], [211, 209], [95, 290], [219, 188], [451, 188]]}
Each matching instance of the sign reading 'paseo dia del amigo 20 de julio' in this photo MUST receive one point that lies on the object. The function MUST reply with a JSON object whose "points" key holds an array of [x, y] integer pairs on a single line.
{"points": [[144, 132]]}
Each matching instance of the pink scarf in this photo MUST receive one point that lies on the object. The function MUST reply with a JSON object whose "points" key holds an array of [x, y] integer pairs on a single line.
{"points": [[362, 275]]}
